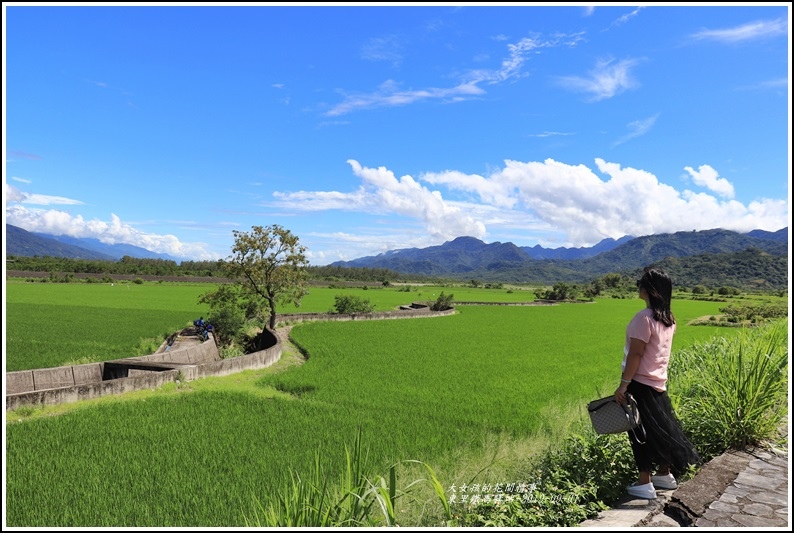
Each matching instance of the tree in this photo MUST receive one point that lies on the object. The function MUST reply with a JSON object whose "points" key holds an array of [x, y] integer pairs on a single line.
{"points": [[228, 312], [270, 265]]}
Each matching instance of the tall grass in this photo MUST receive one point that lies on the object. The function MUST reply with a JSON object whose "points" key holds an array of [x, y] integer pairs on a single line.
{"points": [[353, 500], [733, 391]]}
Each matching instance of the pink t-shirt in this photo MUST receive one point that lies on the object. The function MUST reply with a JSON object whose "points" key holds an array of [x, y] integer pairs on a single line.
{"points": [[658, 340]]}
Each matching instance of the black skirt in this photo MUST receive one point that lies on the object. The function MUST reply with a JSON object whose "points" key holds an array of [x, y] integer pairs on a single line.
{"points": [[665, 442]]}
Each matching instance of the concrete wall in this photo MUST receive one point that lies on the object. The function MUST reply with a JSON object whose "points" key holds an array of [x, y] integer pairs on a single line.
{"points": [[48, 386]]}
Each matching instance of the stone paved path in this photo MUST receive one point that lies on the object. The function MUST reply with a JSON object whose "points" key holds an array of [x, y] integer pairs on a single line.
{"points": [[747, 488], [758, 497]]}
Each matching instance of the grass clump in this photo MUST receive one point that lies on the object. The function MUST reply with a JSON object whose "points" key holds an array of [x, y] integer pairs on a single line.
{"points": [[354, 501], [732, 391]]}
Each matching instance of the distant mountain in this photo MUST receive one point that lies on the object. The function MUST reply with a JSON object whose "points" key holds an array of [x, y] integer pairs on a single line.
{"points": [[652, 248], [750, 269], [25, 243], [459, 256], [116, 251], [780, 235], [538, 252], [467, 257]]}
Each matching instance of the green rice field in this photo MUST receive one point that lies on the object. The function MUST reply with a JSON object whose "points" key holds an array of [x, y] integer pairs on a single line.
{"points": [[55, 324], [206, 453]]}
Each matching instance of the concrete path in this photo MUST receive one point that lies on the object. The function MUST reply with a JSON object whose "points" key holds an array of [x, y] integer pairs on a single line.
{"points": [[747, 488]]}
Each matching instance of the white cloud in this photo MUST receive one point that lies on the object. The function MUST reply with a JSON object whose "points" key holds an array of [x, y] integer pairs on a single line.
{"points": [[637, 129], [56, 222], [343, 246], [13, 194], [577, 202], [383, 193], [779, 84], [761, 29], [549, 134], [43, 199], [388, 48], [707, 177], [625, 18], [607, 79], [389, 93], [21, 180]]}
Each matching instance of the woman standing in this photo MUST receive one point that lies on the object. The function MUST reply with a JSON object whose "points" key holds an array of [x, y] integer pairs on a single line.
{"points": [[649, 339]]}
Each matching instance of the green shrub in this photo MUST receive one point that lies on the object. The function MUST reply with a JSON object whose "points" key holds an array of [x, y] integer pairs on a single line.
{"points": [[349, 304], [443, 302], [148, 346], [569, 484]]}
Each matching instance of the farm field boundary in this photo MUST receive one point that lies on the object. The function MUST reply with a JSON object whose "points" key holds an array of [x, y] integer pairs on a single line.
{"points": [[415, 310], [50, 386]]}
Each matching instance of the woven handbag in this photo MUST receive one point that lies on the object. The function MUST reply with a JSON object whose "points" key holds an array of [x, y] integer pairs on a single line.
{"points": [[608, 416]]}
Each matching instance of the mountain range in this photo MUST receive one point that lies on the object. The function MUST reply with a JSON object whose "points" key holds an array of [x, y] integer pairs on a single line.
{"points": [[29, 244], [468, 257], [758, 259]]}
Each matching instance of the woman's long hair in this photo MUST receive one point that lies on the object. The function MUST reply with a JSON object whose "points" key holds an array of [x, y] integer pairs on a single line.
{"points": [[659, 287]]}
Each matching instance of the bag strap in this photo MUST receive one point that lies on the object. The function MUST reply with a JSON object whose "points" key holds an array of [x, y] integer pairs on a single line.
{"points": [[630, 398]]}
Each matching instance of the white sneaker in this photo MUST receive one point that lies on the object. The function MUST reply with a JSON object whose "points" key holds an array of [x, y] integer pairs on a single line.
{"points": [[667, 482], [646, 491]]}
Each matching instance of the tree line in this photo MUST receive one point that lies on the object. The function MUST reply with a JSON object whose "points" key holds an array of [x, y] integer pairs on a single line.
{"points": [[128, 265]]}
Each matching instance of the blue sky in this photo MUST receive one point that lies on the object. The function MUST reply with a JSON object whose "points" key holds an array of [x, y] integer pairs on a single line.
{"points": [[363, 129]]}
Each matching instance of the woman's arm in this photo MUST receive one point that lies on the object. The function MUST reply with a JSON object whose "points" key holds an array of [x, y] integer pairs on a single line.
{"points": [[636, 349]]}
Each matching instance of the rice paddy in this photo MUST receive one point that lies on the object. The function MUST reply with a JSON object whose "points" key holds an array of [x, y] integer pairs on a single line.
{"points": [[203, 453]]}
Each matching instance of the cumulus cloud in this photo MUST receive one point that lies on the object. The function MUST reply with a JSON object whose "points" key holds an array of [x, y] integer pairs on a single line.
{"points": [[586, 208], [55, 222], [383, 193], [609, 78], [707, 177], [583, 205]]}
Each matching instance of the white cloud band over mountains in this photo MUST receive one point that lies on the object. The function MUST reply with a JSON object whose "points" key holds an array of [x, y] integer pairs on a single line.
{"points": [[519, 202], [573, 200]]}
